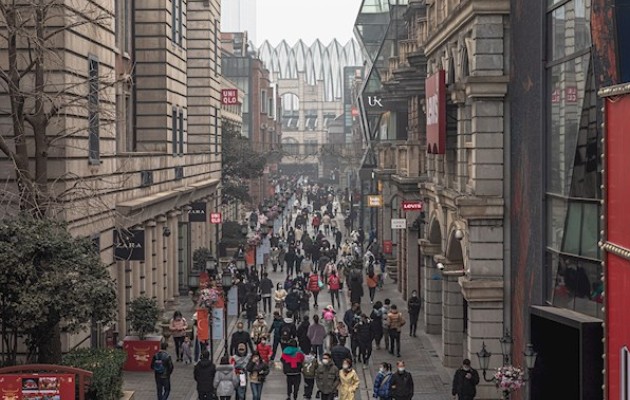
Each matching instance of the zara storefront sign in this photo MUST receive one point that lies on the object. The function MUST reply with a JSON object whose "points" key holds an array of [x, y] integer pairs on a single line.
{"points": [[129, 245], [197, 212], [229, 97], [435, 86]]}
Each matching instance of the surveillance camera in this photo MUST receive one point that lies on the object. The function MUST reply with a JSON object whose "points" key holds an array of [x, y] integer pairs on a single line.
{"points": [[440, 266]]}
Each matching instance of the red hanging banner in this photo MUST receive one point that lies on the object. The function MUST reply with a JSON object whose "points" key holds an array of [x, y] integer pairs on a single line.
{"points": [[435, 87], [203, 330]]}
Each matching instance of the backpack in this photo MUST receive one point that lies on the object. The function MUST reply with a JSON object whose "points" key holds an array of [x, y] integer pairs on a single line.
{"points": [[159, 362], [286, 332], [308, 369]]}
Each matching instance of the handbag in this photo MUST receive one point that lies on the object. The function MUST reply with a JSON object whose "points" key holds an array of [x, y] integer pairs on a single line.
{"points": [[320, 284]]}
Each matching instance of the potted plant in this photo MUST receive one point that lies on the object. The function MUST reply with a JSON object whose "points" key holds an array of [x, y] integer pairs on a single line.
{"points": [[143, 317]]}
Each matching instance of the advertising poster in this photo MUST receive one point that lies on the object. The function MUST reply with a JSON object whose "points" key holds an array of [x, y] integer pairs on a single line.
{"points": [[217, 323], [232, 302], [37, 386]]}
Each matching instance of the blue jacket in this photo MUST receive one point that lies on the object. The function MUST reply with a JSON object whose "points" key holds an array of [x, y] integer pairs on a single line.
{"points": [[382, 385]]}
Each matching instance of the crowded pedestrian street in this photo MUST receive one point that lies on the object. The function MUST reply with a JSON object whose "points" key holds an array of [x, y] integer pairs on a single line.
{"points": [[419, 352]]}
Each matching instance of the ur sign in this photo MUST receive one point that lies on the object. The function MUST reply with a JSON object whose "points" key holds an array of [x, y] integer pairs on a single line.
{"points": [[436, 113], [229, 96]]}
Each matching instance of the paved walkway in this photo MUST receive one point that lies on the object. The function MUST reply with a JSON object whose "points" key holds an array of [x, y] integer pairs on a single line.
{"points": [[431, 379]]}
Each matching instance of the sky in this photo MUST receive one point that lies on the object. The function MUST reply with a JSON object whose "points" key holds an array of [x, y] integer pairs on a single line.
{"points": [[306, 19]]}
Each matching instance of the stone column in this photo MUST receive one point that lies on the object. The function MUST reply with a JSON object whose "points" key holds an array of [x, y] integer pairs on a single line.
{"points": [[452, 313], [136, 277], [431, 288], [150, 256], [157, 279]]}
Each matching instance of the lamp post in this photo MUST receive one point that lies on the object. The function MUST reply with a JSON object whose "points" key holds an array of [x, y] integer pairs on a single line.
{"points": [[211, 266], [241, 264], [226, 284]]}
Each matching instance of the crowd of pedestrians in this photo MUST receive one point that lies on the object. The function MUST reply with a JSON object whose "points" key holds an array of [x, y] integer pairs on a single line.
{"points": [[320, 348]]}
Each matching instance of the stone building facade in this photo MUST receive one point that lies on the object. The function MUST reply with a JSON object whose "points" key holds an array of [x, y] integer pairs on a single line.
{"points": [[151, 152]]}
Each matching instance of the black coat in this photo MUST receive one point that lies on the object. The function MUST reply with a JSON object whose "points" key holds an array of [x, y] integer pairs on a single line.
{"points": [[376, 324], [356, 290], [363, 333], [204, 375], [465, 387], [340, 353], [402, 385], [238, 338], [414, 305], [302, 336]]}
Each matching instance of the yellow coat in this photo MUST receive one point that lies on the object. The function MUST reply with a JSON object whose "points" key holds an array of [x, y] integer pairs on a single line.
{"points": [[348, 384]]}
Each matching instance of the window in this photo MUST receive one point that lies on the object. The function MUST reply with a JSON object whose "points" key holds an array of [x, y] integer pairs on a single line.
{"points": [[177, 24], [216, 130], [93, 115], [174, 130], [181, 132], [217, 36], [263, 101], [271, 109]]}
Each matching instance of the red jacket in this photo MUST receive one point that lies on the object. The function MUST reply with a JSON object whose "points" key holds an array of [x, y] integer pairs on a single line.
{"points": [[333, 282], [265, 352], [315, 221], [313, 283]]}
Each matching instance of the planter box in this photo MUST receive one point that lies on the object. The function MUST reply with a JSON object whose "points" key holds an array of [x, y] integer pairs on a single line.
{"points": [[140, 352]]}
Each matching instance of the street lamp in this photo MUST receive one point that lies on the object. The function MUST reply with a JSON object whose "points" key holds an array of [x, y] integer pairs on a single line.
{"points": [[244, 229], [226, 284], [506, 349], [264, 229], [506, 346], [241, 264], [211, 265], [530, 356]]}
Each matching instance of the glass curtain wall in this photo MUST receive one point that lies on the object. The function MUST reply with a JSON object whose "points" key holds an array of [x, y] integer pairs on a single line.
{"points": [[573, 266]]}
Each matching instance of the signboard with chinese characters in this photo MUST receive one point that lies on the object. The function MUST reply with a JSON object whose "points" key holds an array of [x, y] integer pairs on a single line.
{"points": [[37, 386], [229, 96], [217, 323], [129, 245], [436, 112], [215, 218], [412, 205], [197, 212], [399, 223]]}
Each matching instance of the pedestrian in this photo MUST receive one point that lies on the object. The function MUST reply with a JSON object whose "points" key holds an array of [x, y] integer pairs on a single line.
{"points": [[187, 350], [363, 331], [266, 286], [395, 322], [178, 327], [327, 378], [350, 318], [371, 280], [257, 371], [302, 335], [273, 257], [355, 284], [385, 312], [376, 318], [225, 380], [338, 237], [292, 360], [264, 349], [328, 315], [402, 383], [279, 296], [383, 382], [276, 326], [309, 369], [307, 266], [251, 306], [240, 361], [314, 284], [341, 331], [162, 366], [340, 352], [348, 381], [316, 335], [299, 257], [240, 337], [292, 302], [413, 306], [281, 258], [204, 374], [259, 328], [333, 287], [465, 382], [288, 331]]}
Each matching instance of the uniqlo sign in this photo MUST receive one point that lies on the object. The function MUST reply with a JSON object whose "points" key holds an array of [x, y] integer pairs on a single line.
{"points": [[412, 205], [215, 218], [229, 96], [435, 86]]}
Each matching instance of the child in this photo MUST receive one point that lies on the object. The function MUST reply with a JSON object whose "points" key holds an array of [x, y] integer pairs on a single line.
{"points": [[186, 350]]}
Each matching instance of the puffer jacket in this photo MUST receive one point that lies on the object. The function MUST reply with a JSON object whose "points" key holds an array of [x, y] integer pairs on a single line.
{"points": [[292, 359], [225, 381]]}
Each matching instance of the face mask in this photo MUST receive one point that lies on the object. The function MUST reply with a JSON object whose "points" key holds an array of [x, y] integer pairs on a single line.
{"points": [[466, 368], [414, 294], [326, 361], [401, 369], [240, 329], [255, 360], [264, 342], [346, 366], [381, 370]]}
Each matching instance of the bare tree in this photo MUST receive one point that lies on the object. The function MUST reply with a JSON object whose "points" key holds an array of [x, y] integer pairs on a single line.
{"points": [[38, 89]]}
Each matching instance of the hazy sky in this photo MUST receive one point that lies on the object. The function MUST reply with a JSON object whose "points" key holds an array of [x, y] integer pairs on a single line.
{"points": [[306, 19]]}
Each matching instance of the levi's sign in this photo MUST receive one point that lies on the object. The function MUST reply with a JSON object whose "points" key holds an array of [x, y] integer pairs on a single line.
{"points": [[415, 205], [229, 96]]}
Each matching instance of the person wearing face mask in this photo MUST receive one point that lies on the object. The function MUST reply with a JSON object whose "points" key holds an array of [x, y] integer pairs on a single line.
{"points": [[240, 361], [240, 337], [465, 382], [348, 381], [292, 360], [402, 383], [264, 349], [413, 305], [257, 371], [327, 378], [383, 382]]}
